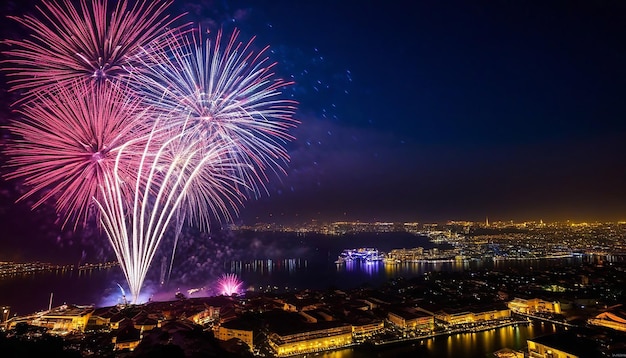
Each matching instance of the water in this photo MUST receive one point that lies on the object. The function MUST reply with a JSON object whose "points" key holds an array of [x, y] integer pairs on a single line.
{"points": [[314, 266], [30, 293], [290, 274]]}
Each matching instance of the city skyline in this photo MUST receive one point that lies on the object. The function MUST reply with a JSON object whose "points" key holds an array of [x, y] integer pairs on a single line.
{"points": [[431, 112]]}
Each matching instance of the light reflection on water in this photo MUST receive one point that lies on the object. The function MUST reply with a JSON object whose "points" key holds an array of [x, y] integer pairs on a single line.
{"points": [[478, 344], [27, 294], [391, 270], [266, 267], [322, 273]]}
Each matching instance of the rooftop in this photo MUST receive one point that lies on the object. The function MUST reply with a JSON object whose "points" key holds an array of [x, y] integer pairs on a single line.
{"points": [[69, 311], [573, 341]]}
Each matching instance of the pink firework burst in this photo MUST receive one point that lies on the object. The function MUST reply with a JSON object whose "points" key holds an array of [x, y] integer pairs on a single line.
{"points": [[229, 284], [82, 43], [66, 144]]}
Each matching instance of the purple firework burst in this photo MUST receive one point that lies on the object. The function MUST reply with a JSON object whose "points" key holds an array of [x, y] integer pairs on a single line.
{"points": [[222, 89], [229, 284]]}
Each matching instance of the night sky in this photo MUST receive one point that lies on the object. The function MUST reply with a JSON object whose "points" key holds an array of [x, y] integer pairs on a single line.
{"points": [[447, 110], [433, 111]]}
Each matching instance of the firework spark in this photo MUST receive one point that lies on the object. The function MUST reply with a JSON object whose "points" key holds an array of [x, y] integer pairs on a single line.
{"points": [[85, 43], [172, 168], [228, 91], [66, 144], [229, 284]]}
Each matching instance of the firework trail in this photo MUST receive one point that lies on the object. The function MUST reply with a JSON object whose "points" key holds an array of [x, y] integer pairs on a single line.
{"points": [[200, 201], [179, 221], [224, 90], [229, 284], [85, 43], [123, 292], [172, 167], [66, 143]]}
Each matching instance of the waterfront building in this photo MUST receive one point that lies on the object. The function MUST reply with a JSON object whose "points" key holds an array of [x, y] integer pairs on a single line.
{"points": [[203, 310], [406, 319], [65, 319], [292, 342], [454, 317], [470, 315], [347, 227], [614, 318], [290, 334], [489, 314], [406, 255], [364, 329], [534, 305]]}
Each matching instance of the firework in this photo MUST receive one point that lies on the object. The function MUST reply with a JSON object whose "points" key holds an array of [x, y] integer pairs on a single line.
{"points": [[199, 205], [83, 43], [229, 284], [192, 126], [226, 91], [168, 170], [66, 144]]}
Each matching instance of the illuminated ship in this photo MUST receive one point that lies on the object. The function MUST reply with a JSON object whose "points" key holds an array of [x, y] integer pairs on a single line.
{"points": [[363, 254]]}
